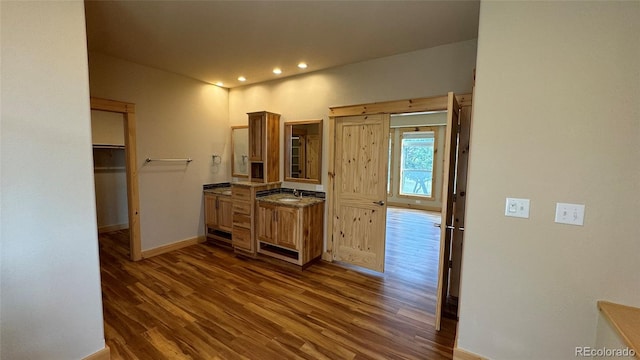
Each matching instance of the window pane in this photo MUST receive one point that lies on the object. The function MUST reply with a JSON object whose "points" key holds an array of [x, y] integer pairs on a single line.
{"points": [[416, 164]]}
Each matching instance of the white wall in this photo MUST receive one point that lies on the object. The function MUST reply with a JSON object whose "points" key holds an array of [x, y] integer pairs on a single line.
{"points": [[51, 302], [557, 119], [176, 117], [107, 128]]}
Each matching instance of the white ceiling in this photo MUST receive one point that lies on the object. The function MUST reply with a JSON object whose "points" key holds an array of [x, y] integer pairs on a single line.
{"points": [[220, 40]]}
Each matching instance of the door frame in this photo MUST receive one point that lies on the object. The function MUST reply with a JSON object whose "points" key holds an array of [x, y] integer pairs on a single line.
{"points": [[128, 111], [437, 103]]}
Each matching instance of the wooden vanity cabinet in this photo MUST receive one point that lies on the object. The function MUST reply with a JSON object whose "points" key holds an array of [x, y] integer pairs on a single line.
{"points": [[218, 215], [264, 147], [225, 213], [244, 212], [289, 233]]}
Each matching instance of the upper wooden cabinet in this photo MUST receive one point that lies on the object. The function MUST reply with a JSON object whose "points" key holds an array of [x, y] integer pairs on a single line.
{"points": [[256, 136], [264, 146]]}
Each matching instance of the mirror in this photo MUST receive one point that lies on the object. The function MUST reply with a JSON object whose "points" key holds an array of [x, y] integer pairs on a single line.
{"points": [[239, 155], [303, 151]]}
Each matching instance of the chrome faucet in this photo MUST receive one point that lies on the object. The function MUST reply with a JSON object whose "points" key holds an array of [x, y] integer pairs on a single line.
{"points": [[297, 193]]}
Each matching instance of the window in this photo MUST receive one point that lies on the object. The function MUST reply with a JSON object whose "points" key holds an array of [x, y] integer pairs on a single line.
{"points": [[417, 154]]}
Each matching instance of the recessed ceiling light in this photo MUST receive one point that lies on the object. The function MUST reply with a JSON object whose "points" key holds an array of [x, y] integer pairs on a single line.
{"points": [[242, 78], [277, 71], [219, 83], [302, 65]]}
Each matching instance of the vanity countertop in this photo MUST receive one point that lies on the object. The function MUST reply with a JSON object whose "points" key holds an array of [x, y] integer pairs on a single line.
{"points": [[219, 191], [281, 199], [254, 184]]}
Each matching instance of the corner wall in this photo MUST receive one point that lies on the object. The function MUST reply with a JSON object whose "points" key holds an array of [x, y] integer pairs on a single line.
{"points": [[176, 117], [50, 294], [556, 119]]}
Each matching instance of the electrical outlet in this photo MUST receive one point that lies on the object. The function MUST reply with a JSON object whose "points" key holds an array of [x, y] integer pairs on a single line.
{"points": [[572, 214], [517, 208]]}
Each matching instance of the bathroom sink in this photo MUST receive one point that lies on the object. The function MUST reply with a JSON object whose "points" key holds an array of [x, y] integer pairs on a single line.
{"points": [[289, 200]]}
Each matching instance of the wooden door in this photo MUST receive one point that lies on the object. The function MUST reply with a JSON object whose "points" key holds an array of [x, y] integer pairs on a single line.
{"points": [[448, 188], [225, 213], [256, 136], [210, 210], [361, 152], [288, 227], [266, 230], [460, 199]]}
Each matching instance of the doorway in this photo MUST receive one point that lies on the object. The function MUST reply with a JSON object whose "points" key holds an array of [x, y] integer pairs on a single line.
{"points": [[348, 158], [127, 111], [109, 171]]}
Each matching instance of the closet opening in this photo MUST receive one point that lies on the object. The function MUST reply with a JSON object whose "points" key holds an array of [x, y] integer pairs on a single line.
{"points": [[115, 174]]}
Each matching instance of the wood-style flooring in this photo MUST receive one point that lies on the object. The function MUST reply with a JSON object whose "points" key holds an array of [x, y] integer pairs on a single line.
{"points": [[202, 302]]}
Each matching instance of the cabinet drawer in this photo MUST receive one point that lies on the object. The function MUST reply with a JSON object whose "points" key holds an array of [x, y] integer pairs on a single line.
{"points": [[241, 220], [241, 208], [241, 193], [241, 238]]}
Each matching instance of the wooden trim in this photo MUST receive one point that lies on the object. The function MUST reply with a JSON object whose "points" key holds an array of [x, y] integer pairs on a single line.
{"points": [[415, 206], [459, 354], [171, 247], [392, 155], [102, 354], [110, 228], [626, 321], [436, 103], [331, 174], [128, 110], [326, 256], [112, 105]]}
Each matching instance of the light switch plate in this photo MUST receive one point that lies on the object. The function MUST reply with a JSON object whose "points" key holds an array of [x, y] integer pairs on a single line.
{"points": [[572, 214], [517, 208]]}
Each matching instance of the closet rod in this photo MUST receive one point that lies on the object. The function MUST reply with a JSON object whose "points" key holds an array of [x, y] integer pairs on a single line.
{"points": [[148, 160]]}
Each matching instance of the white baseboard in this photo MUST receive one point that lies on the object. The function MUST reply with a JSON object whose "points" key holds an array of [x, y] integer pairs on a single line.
{"points": [[171, 247]]}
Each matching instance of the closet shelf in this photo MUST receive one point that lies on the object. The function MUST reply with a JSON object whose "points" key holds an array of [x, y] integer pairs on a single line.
{"points": [[108, 146], [103, 168]]}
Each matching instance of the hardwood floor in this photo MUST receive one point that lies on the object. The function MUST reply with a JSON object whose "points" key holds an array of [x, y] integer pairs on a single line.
{"points": [[202, 302]]}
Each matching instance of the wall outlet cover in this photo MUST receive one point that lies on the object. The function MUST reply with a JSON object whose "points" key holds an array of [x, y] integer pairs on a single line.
{"points": [[571, 214], [516, 207]]}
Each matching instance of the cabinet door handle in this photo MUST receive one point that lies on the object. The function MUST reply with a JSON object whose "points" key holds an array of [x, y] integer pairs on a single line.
{"points": [[381, 203]]}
